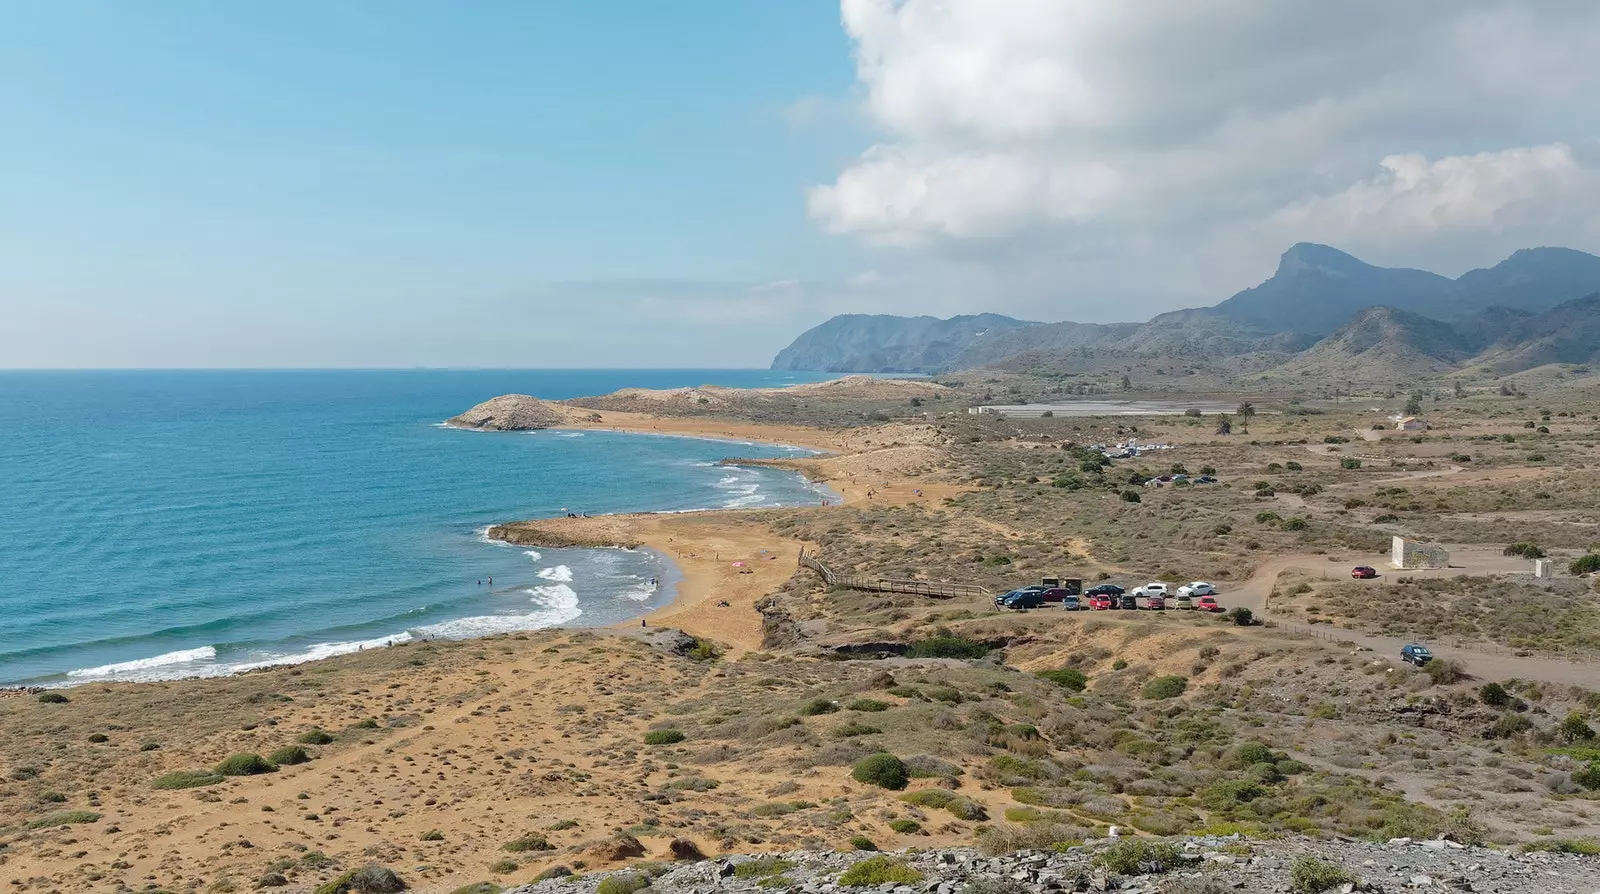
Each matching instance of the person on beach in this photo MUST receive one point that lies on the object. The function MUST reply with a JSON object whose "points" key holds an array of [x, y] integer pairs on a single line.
{"points": [[491, 581]]}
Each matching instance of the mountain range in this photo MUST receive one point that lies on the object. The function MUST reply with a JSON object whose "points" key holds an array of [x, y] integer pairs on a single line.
{"points": [[1322, 312]]}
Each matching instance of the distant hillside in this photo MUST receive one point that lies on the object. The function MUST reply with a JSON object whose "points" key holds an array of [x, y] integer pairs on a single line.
{"points": [[1567, 333], [882, 343], [1322, 312], [1382, 344]]}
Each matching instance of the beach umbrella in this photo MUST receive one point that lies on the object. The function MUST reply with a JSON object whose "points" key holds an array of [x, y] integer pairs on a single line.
{"points": [[738, 564]]}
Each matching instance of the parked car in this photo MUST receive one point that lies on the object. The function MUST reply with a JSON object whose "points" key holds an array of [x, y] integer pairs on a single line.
{"points": [[1099, 602], [1208, 604], [1206, 479], [1023, 599], [1127, 601], [1412, 653], [1363, 572], [1155, 603], [1154, 588], [1197, 588], [1071, 603], [1103, 590], [1057, 594], [1183, 601]]}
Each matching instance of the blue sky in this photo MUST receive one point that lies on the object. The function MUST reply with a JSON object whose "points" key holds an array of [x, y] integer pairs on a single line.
{"points": [[630, 183], [291, 183]]}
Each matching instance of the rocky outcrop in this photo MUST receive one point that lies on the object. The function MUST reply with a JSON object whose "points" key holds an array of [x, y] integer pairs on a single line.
{"points": [[1197, 866], [510, 412]]}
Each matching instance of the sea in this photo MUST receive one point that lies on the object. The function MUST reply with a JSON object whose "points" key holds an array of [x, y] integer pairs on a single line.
{"points": [[168, 524]]}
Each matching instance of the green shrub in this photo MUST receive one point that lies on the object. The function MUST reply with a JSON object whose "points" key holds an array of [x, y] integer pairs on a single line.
{"points": [[763, 867], [186, 779], [479, 888], [862, 843], [964, 808], [870, 705], [1524, 549], [53, 698], [1581, 565], [1139, 856], [245, 764], [1348, 462], [432, 835], [1574, 729], [1295, 524], [1587, 847], [703, 650], [553, 872], [856, 729], [947, 647], [1131, 496], [528, 843], [314, 736], [818, 706], [99, 738], [1165, 687], [1443, 671], [65, 818], [882, 769], [1119, 664], [1589, 776], [1308, 875], [367, 723], [1067, 678], [929, 797], [879, 871], [369, 879], [664, 737], [288, 756], [623, 883], [1494, 695], [905, 826], [1509, 725]]}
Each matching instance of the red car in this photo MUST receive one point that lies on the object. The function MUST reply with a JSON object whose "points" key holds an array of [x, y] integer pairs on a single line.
{"points": [[1363, 572], [1100, 602], [1207, 604]]}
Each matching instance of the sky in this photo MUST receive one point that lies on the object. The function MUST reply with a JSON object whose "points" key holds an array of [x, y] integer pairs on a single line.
{"points": [[633, 183]]}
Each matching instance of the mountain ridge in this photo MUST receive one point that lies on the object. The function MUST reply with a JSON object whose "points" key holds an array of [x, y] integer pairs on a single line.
{"points": [[1314, 314]]}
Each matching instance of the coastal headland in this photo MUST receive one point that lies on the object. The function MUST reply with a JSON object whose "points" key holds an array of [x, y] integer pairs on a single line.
{"points": [[764, 710]]}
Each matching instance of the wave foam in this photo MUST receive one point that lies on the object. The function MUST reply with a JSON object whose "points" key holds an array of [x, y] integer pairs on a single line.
{"points": [[533, 554], [318, 652], [559, 574], [558, 604], [140, 667]]}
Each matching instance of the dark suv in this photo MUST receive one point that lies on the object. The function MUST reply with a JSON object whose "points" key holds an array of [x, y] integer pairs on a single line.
{"points": [[1103, 590]]}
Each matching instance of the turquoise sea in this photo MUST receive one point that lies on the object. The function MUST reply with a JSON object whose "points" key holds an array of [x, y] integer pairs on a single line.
{"points": [[170, 524]]}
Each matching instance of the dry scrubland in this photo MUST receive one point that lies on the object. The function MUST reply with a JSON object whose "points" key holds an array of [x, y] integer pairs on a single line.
{"points": [[496, 760]]}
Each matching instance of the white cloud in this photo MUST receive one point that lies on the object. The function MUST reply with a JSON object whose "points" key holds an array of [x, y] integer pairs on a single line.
{"points": [[1060, 133]]}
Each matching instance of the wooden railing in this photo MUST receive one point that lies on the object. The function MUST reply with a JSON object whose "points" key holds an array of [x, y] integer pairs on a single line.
{"points": [[891, 585]]}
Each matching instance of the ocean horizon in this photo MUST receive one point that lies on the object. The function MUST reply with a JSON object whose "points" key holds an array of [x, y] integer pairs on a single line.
{"points": [[172, 523]]}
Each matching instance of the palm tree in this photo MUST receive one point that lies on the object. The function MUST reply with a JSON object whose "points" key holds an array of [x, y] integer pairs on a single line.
{"points": [[1246, 411]]}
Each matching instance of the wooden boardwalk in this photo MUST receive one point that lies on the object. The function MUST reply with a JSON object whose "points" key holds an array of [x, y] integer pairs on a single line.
{"points": [[892, 585]]}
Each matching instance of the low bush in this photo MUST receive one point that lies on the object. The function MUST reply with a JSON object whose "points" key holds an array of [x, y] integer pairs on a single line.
{"points": [[245, 764], [1526, 550], [870, 705], [1308, 875], [1067, 678], [623, 883], [99, 739], [553, 872], [1443, 671], [862, 843], [186, 779], [818, 706], [1587, 847], [1139, 856], [964, 808], [369, 879], [929, 797], [1165, 687], [1581, 565], [882, 769], [65, 818], [905, 826], [878, 871], [947, 647], [432, 835], [763, 867], [53, 698], [288, 756], [664, 737], [1494, 695], [479, 888], [314, 736], [527, 844]]}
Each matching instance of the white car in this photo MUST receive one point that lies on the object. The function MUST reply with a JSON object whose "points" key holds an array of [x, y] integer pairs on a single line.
{"points": [[1197, 589], [1154, 588]]}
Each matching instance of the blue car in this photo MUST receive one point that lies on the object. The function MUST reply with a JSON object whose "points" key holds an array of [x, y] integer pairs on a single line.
{"points": [[1019, 599], [1413, 653]]}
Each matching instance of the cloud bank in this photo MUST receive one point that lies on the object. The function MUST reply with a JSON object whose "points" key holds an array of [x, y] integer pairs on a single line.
{"points": [[1166, 151]]}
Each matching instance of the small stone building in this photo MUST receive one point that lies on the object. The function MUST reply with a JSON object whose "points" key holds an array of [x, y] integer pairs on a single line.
{"points": [[1410, 423], [1415, 555]]}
